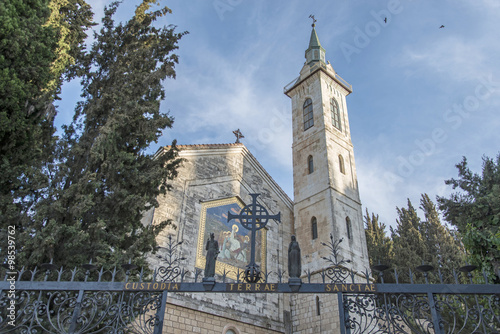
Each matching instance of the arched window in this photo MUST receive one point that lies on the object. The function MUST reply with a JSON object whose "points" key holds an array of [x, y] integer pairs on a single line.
{"points": [[230, 329], [314, 228], [348, 228], [334, 108], [308, 114], [318, 306], [310, 164], [341, 164]]}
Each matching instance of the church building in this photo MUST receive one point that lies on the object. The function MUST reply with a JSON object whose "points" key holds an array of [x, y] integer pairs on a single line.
{"points": [[215, 179]]}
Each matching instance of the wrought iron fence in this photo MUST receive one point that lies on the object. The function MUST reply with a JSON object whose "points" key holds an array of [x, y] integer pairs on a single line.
{"points": [[88, 300], [424, 308]]}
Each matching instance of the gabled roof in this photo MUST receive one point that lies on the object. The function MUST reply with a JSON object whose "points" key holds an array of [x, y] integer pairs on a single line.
{"points": [[245, 152], [208, 146]]}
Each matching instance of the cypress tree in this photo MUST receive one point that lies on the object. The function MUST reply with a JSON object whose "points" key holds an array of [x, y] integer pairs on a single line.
{"points": [[32, 43], [443, 250], [105, 179], [409, 244], [380, 246], [475, 211]]}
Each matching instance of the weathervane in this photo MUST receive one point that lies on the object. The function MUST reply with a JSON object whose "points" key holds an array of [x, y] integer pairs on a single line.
{"points": [[238, 135], [314, 20]]}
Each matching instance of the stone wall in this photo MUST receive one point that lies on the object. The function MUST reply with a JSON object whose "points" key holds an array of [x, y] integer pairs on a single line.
{"points": [[306, 319], [317, 313], [181, 320]]}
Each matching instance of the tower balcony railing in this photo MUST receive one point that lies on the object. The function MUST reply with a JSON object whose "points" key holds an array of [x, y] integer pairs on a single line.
{"points": [[291, 84], [317, 65]]}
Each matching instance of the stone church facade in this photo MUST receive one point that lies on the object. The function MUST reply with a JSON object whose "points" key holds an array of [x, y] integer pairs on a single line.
{"points": [[217, 178]]}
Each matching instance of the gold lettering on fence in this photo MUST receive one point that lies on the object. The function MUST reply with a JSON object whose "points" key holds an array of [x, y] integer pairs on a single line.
{"points": [[350, 288], [156, 286], [246, 287]]}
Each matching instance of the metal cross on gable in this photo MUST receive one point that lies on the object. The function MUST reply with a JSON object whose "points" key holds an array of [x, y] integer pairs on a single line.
{"points": [[238, 135], [253, 217]]}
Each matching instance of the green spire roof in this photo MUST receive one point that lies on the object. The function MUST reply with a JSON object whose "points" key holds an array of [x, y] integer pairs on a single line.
{"points": [[314, 41], [315, 51]]}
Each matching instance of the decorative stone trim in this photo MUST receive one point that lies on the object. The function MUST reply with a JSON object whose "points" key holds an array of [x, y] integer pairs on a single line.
{"points": [[229, 328]]}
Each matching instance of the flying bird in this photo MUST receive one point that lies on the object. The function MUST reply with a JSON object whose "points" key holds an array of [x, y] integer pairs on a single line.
{"points": [[442, 26], [385, 20]]}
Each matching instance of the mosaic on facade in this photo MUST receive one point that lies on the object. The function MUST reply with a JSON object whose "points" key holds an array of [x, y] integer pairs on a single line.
{"points": [[233, 238]]}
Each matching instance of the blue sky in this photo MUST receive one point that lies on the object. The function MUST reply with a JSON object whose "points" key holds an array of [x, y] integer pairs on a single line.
{"points": [[422, 98]]}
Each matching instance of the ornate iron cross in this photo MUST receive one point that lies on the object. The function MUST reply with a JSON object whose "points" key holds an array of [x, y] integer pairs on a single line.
{"points": [[253, 217]]}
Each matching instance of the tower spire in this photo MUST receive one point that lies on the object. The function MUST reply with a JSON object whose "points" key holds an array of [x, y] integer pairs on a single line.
{"points": [[315, 52]]}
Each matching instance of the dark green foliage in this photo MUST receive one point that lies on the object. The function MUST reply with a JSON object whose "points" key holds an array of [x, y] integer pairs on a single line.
{"points": [[31, 42], [475, 211], [444, 250], [409, 244], [379, 245], [103, 179], [415, 242], [27, 48]]}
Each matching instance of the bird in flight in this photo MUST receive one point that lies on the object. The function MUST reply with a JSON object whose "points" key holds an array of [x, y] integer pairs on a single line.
{"points": [[385, 20], [442, 26]]}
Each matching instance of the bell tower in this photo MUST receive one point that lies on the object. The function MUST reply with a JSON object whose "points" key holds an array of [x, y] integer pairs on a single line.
{"points": [[326, 196]]}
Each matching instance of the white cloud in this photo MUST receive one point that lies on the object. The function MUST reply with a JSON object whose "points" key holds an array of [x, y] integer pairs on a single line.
{"points": [[382, 189], [228, 96], [452, 57], [462, 51], [488, 4]]}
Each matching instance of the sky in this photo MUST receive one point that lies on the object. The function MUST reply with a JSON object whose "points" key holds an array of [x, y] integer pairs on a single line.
{"points": [[423, 96]]}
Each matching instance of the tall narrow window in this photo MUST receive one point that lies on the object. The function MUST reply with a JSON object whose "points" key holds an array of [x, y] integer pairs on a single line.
{"points": [[341, 164], [308, 114], [314, 228], [335, 111], [310, 164], [348, 228], [318, 306]]}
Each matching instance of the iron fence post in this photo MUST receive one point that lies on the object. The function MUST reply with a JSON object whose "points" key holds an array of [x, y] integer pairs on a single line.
{"points": [[340, 299], [160, 313], [480, 312], [436, 320], [76, 312], [388, 319]]}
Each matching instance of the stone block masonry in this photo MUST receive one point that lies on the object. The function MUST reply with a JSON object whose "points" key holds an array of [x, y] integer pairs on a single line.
{"points": [[183, 320]]}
